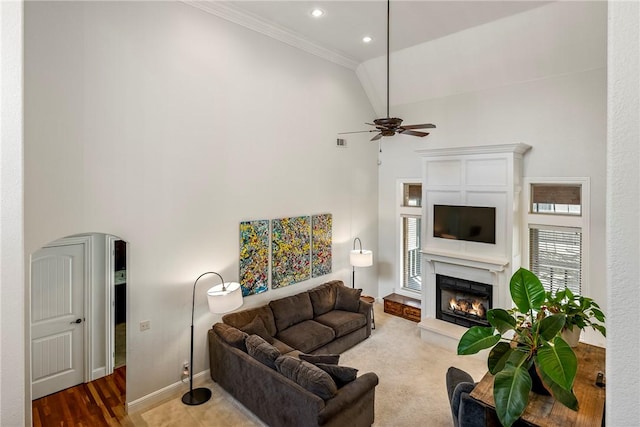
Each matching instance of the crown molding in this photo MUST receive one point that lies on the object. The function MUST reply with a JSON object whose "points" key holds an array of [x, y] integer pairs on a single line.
{"points": [[224, 10]]}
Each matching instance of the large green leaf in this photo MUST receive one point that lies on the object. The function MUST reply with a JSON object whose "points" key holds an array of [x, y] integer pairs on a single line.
{"points": [[477, 338], [501, 320], [566, 397], [551, 325], [520, 357], [511, 388], [526, 290], [498, 356], [558, 362]]}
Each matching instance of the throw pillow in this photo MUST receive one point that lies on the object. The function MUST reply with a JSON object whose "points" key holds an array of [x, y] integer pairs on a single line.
{"points": [[329, 359], [262, 351], [323, 298], [291, 310], [347, 299], [341, 375], [307, 376], [232, 336], [257, 327]]}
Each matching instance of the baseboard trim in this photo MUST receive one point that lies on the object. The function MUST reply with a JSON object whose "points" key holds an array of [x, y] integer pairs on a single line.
{"points": [[98, 373], [167, 393]]}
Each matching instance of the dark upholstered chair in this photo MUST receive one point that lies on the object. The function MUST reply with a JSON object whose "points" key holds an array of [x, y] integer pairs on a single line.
{"points": [[465, 410]]}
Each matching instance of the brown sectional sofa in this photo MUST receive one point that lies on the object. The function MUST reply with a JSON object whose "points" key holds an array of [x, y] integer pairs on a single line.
{"points": [[327, 319]]}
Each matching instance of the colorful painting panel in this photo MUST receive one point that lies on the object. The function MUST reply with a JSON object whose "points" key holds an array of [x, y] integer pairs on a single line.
{"points": [[290, 251], [254, 257], [321, 245]]}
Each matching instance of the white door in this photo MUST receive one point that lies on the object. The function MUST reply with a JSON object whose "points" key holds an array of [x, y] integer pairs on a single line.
{"points": [[57, 318]]}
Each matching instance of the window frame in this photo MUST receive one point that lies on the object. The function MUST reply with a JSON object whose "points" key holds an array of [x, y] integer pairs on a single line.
{"points": [[401, 212], [559, 221]]}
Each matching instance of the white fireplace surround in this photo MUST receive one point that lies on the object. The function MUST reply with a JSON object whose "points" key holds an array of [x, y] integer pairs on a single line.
{"points": [[470, 176]]}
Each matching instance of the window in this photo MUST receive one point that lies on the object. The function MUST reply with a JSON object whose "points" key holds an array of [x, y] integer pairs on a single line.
{"points": [[411, 270], [555, 256], [557, 230], [410, 213], [558, 199], [412, 195]]}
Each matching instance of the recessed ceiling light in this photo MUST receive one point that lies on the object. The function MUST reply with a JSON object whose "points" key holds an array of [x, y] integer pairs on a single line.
{"points": [[366, 39], [317, 13]]}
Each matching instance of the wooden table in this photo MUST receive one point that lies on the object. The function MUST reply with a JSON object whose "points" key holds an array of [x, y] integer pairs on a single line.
{"points": [[546, 411]]}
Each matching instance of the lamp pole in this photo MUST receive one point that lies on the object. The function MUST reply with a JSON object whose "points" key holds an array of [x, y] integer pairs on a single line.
{"points": [[202, 394]]}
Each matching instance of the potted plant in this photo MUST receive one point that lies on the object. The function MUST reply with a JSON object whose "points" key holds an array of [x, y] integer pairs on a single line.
{"points": [[580, 312], [524, 341]]}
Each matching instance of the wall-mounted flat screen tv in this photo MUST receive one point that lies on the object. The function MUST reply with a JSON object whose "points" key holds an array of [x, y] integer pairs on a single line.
{"points": [[470, 223]]}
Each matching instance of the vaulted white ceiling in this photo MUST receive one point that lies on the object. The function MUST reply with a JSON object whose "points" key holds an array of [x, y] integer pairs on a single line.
{"points": [[438, 48], [344, 23]]}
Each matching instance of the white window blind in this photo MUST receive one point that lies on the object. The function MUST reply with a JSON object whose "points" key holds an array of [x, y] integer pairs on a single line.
{"points": [[411, 265], [555, 256]]}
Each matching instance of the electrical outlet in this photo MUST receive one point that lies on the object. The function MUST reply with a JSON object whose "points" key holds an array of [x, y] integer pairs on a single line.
{"points": [[145, 325], [185, 371]]}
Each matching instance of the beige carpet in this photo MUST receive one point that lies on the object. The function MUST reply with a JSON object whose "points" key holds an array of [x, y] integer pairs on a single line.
{"points": [[411, 390]]}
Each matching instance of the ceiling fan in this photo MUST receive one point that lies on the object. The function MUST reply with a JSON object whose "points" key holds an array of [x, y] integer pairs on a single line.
{"points": [[389, 126]]}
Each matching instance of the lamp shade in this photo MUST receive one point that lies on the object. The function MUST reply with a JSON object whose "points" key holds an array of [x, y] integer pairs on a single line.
{"points": [[223, 299], [361, 258]]}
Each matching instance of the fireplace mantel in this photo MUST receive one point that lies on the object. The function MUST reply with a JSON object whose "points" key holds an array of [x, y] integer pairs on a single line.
{"points": [[489, 176], [494, 265]]}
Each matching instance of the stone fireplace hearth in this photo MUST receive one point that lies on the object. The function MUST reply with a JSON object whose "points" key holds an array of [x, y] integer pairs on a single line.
{"points": [[485, 176]]}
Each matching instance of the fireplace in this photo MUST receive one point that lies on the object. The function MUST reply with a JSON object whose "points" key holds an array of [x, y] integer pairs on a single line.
{"points": [[462, 302]]}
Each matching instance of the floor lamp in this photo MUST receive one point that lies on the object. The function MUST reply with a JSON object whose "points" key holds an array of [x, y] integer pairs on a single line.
{"points": [[222, 298], [359, 258]]}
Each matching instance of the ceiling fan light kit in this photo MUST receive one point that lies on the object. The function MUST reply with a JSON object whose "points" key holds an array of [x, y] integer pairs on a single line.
{"points": [[389, 126]]}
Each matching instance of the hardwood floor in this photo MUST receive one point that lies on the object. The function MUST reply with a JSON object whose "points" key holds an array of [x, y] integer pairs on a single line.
{"points": [[95, 404]]}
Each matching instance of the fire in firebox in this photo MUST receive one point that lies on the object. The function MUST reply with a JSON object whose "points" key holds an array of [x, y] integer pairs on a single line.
{"points": [[467, 307]]}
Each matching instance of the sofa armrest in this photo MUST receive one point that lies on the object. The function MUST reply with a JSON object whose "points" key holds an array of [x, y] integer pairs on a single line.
{"points": [[347, 395]]}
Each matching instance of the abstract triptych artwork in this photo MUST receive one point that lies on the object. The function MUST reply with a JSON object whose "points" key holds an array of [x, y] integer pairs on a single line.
{"points": [[254, 257], [300, 249], [291, 258], [321, 245]]}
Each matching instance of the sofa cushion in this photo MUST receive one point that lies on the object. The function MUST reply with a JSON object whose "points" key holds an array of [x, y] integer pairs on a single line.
{"points": [[323, 298], [283, 348], [347, 299], [307, 376], [291, 310], [232, 336], [257, 327], [329, 359], [240, 318], [342, 322], [306, 336], [262, 351], [341, 375]]}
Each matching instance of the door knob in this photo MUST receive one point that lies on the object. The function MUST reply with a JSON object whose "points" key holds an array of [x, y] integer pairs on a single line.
{"points": [[76, 321]]}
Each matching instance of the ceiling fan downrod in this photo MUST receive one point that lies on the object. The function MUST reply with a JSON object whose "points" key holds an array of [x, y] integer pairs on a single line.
{"points": [[388, 32]]}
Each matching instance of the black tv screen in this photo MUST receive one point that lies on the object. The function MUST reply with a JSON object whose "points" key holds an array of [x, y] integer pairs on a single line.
{"points": [[470, 223]]}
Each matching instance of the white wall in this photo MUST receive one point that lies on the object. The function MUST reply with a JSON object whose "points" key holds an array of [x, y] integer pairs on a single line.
{"points": [[562, 116], [167, 126], [13, 369], [623, 228]]}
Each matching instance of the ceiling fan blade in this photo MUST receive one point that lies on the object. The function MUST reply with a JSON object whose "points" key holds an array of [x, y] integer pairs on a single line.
{"points": [[424, 126], [358, 131], [377, 137], [412, 132]]}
